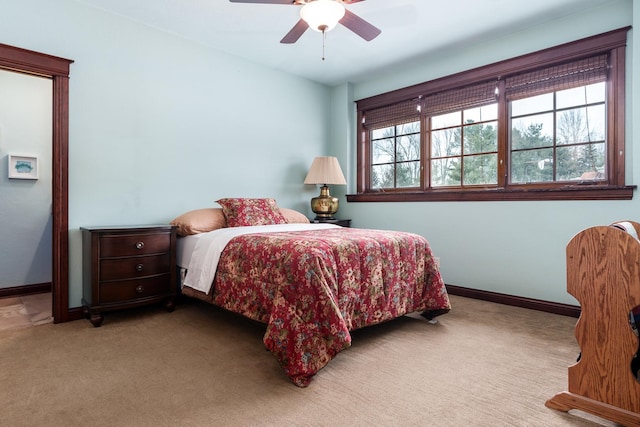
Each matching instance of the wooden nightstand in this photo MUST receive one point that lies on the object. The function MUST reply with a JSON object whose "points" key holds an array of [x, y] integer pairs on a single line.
{"points": [[336, 221], [124, 267]]}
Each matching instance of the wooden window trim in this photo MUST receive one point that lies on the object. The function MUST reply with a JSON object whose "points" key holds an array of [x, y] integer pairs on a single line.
{"points": [[612, 43], [589, 192]]}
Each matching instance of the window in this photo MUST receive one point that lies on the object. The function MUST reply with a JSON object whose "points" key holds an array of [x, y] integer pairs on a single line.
{"points": [[396, 156], [462, 136], [559, 136], [548, 125], [464, 147]]}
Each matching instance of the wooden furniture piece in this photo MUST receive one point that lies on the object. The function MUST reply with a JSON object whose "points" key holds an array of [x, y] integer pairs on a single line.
{"points": [[126, 267], [340, 222], [603, 273]]}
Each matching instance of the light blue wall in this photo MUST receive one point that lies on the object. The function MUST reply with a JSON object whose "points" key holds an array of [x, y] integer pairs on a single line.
{"points": [[160, 125], [515, 248]]}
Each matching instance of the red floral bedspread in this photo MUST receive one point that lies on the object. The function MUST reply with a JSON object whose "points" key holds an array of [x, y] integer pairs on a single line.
{"points": [[312, 287]]}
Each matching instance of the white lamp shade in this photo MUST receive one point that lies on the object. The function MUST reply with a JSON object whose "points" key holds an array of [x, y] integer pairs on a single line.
{"points": [[322, 15], [325, 170]]}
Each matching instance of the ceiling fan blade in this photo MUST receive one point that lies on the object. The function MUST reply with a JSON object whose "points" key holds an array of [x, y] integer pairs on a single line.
{"points": [[263, 1], [296, 32], [360, 26]]}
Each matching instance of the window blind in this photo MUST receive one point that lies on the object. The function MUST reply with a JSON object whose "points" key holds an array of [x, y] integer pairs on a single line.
{"points": [[558, 77], [395, 114], [461, 98]]}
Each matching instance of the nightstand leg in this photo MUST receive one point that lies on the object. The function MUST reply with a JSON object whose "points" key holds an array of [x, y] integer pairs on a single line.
{"points": [[170, 305], [96, 319]]}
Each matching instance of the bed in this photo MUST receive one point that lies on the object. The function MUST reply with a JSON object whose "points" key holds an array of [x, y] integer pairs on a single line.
{"points": [[311, 284]]}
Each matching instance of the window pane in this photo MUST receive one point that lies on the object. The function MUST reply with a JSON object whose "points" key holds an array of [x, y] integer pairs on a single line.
{"points": [[383, 151], [481, 169], [532, 166], [596, 119], [580, 95], [407, 128], [581, 125], [382, 133], [596, 92], [572, 127], [481, 138], [571, 97], [533, 104], [445, 143], [382, 176], [446, 120], [408, 148], [581, 162], [481, 114], [409, 174], [445, 172], [532, 131]]}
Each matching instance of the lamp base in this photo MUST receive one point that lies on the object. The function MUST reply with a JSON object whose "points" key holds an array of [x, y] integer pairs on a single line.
{"points": [[325, 205]]}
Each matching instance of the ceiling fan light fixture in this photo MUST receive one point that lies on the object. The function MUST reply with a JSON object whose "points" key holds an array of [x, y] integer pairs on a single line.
{"points": [[322, 15]]}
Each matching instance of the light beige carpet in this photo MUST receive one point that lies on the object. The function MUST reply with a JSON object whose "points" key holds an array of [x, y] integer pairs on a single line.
{"points": [[483, 364]]}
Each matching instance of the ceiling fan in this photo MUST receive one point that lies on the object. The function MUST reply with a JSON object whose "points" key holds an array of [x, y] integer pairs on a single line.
{"points": [[322, 16]]}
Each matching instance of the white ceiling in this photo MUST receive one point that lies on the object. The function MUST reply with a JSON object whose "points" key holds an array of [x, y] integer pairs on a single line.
{"points": [[410, 29]]}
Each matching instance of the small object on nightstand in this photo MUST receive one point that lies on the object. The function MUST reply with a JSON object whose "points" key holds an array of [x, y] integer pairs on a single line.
{"points": [[336, 221], [124, 267]]}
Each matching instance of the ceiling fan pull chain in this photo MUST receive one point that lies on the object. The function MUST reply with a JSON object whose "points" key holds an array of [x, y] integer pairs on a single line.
{"points": [[324, 38]]}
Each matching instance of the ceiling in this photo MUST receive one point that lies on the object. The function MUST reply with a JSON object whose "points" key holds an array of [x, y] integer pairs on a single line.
{"points": [[410, 29]]}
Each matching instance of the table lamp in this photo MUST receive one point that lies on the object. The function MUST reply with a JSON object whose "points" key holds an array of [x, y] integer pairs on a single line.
{"points": [[325, 171]]}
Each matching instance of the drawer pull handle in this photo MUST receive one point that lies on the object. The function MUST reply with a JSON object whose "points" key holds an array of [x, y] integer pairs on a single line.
{"points": [[139, 289], [139, 245], [139, 267]]}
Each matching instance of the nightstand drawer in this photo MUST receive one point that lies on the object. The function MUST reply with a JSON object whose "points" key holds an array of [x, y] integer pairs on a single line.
{"points": [[129, 268], [134, 244], [127, 290]]}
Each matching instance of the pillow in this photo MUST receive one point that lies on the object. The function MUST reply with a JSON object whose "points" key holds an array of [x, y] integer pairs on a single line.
{"points": [[294, 217], [245, 212], [199, 221]]}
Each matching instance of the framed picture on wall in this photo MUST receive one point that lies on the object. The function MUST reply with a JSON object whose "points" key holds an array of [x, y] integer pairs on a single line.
{"points": [[23, 167]]}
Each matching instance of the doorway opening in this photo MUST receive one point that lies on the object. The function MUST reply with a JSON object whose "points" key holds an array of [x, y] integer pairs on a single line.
{"points": [[57, 69]]}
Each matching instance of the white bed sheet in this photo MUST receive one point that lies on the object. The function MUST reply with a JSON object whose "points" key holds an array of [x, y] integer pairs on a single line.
{"points": [[184, 249], [200, 253]]}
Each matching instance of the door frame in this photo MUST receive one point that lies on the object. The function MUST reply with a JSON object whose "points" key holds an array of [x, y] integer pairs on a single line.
{"points": [[56, 69]]}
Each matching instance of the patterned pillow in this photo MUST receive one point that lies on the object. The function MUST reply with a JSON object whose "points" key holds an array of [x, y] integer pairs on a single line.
{"points": [[245, 212]]}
